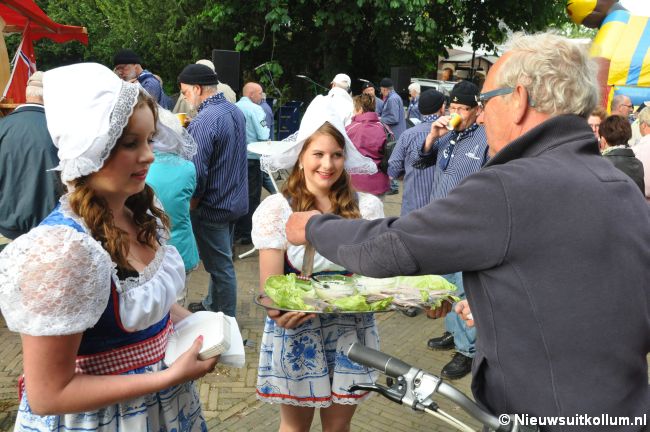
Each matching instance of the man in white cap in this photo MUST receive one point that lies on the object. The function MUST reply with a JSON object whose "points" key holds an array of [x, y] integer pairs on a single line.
{"points": [[341, 99], [28, 192]]}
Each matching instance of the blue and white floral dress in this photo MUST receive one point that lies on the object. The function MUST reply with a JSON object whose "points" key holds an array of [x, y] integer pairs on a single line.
{"points": [[58, 280], [307, 366]]}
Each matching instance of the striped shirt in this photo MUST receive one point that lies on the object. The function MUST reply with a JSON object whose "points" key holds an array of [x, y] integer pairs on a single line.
{"points": [[467, 156], [417, 182], [219, 130]]}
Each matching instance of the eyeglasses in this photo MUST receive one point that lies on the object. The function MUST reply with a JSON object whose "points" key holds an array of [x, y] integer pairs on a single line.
{"points": [[485, 97], [459, 108]]}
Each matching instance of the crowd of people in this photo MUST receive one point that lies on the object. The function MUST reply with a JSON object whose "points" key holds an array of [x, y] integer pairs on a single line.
{"points": [[521, 193]]}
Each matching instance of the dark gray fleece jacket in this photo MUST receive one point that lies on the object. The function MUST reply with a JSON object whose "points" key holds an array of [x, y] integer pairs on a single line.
{"points": [[554, 243]]}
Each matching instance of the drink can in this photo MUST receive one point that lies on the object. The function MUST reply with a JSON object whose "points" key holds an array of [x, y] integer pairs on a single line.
{"points": [[454, 121]]}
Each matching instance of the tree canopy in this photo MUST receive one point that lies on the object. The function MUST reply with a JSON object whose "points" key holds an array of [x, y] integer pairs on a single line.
{"points": [[317, 38]]}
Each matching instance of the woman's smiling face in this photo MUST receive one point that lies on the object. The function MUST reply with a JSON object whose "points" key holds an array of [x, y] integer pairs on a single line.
{"points": [[323, 162]]}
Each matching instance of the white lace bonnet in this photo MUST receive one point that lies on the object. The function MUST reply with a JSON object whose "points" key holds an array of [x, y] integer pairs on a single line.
{"points": [[86, 107], [284, 154], [171, 137]]}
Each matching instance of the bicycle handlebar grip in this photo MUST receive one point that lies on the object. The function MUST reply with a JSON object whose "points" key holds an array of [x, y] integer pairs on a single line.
{"points": [[377, 360]]}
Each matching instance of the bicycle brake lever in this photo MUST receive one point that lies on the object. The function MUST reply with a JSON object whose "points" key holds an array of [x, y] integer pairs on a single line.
{"points": [[384, 391]]}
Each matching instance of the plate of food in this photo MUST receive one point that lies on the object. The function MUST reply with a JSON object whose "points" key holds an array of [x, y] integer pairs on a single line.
{"points": [[354, 294]]}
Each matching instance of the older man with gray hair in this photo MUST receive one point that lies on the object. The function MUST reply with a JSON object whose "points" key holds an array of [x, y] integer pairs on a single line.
{"points": [[559, 333], [622, 105], [221, 195], [413, 112], [28, 191], [642, 149]]}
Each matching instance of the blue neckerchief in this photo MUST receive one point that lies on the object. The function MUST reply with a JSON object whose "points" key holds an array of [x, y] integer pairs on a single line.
{"points": [[448, 153], [430, 118]]}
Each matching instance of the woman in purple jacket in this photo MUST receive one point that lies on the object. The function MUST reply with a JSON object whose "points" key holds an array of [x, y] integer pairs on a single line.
{"points": [[368, 136]]}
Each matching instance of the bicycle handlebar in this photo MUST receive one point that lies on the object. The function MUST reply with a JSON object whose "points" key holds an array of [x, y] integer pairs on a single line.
{"points": [[396, 368], [377, 360]]}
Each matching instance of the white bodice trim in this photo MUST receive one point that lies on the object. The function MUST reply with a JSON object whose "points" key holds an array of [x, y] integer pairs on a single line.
{"points": [[269, 232], [146, 299]]}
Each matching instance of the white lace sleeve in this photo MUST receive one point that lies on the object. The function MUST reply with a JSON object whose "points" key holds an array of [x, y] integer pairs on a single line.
{"points": [[370, 206], [54, 281], [269, 223]]}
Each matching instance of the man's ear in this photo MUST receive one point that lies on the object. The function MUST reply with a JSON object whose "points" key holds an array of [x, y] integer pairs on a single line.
{"points": [[520, 106]]}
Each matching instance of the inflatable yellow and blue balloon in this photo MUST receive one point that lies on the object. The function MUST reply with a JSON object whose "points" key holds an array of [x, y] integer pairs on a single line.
{"points": [[622, 46]]}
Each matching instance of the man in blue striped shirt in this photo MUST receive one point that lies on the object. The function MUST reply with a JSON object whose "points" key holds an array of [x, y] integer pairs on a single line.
{"points": [[455, 155], [418, 183], [221, 196]]}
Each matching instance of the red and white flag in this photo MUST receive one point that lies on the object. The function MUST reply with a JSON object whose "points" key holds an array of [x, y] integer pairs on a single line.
{"points": [[23, 66]]}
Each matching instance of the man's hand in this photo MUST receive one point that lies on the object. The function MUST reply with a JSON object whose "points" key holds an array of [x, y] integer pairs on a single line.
{"points": [[462, 309], [441, 311], [296, 226], [438, 129]]}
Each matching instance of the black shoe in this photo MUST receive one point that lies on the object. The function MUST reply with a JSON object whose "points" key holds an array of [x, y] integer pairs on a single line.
{"points": [[458, 367], [196, 307], [444, 342], [410, 312], [392, 192]]}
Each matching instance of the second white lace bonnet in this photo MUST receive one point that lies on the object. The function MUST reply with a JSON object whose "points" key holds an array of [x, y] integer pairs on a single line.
{"points": [[171, 137], [86, 107], [284, 154]]}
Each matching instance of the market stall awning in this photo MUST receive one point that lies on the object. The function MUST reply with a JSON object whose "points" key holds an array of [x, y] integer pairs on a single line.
{"points": [[26, 18], [17, 14]]}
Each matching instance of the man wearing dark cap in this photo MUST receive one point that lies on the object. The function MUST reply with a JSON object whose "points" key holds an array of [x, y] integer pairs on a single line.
{"points": [[369, 88], [417, 182], [128, 66], [454, 155], [221, 196], [392, 114]]}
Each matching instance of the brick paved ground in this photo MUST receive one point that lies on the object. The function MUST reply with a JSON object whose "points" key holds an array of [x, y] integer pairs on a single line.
{"points": [[228, 395]]}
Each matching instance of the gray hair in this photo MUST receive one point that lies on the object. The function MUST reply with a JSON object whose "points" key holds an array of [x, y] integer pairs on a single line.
{"points": [[415, 86], [558, 73], [34, 92], [644, 116], [619, 100], [211, 88]]}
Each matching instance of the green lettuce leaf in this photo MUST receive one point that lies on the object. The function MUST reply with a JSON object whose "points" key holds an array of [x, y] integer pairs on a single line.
{"points": [[381, 305], [288, 292], [352, 303]]}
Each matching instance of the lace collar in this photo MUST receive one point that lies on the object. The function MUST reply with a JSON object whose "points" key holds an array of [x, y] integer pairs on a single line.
{"points": [[145, 275]]}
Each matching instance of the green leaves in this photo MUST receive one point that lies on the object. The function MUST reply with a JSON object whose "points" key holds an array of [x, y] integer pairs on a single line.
{"points": [[318, 38]]}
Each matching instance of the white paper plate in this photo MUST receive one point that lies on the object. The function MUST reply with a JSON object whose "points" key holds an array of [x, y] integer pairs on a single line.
{"points": [[213, 326]]}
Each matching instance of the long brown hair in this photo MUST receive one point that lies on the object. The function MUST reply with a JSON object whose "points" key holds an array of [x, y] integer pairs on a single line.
{"points": [[341, 195], [95, 212]]}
